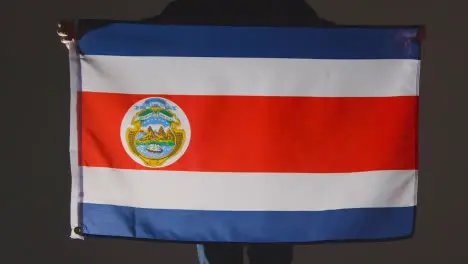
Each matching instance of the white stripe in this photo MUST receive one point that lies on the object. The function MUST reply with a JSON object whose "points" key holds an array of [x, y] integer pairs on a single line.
{"points": [[248, 191], [249, 76]]}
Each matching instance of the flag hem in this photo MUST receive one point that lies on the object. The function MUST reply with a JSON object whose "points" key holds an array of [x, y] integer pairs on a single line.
{"points": [[75, 169]]}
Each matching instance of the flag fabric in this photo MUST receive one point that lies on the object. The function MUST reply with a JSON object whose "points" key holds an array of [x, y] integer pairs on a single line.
{"points": [[244, 134]]}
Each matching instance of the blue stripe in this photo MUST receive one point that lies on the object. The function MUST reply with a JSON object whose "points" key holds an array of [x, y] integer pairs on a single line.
{"points": [[251, 42], [229, 226]]}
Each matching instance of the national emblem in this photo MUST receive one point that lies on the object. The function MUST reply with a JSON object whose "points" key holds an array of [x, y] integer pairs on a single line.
{"points": [[155, 132]]}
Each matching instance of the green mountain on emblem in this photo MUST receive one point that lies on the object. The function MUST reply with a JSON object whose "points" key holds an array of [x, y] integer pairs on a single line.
{"points": [[162, 138]]}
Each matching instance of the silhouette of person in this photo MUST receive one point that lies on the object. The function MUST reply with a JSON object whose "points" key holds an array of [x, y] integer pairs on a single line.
{"points": [[280, 13]]}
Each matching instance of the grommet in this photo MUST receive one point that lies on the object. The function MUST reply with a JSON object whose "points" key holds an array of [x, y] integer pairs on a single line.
{"points": [[78, 230]]}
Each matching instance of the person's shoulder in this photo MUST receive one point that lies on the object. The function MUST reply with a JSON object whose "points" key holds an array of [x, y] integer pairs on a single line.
{"points": [[188, 12], [328, 23], [314, 21], [239, 14]]}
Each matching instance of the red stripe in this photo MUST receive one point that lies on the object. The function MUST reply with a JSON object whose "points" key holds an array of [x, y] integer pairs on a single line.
{"points": [[267, 134], [79, 123]]}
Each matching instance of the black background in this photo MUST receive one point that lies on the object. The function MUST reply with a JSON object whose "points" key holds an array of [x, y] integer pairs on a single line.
{"points": [[35, 116]]}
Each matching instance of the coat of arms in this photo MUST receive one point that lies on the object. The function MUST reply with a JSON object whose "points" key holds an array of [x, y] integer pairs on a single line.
{"points": [[155, 132]]}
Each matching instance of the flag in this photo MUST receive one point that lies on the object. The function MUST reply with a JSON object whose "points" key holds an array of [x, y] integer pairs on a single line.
{"points": [[244, 134]]}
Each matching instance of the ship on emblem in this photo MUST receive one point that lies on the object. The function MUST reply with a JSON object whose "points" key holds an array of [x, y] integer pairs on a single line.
{"points": [[155, 135], [154, 148]]}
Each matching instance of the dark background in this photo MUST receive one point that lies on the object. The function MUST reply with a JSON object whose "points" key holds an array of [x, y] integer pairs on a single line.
{"points": [[35, 116]]}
